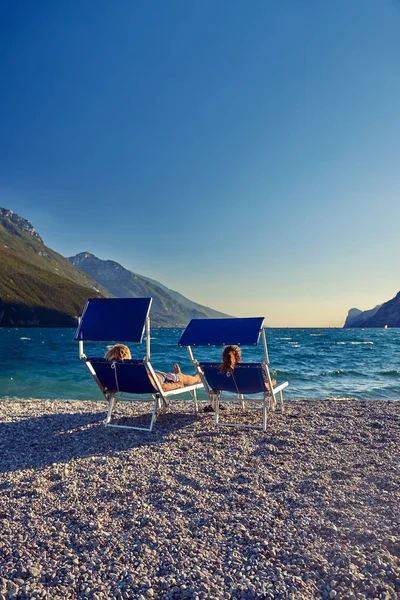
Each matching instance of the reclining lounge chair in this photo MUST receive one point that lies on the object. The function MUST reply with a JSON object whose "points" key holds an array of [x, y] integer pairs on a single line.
{"points": [[247, 378], [116, 320]]}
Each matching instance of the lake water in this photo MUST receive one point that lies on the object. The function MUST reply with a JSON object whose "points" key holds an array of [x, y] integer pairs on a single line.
{"points": [[317, 363]]}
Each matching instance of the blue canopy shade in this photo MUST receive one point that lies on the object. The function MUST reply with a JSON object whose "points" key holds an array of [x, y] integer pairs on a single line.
{"points": [[114, 320], [222, 332]]}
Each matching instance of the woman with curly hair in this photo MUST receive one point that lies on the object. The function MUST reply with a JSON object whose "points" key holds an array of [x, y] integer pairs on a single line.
{"points": [[231, 356], [118, 352], [168, 381]]}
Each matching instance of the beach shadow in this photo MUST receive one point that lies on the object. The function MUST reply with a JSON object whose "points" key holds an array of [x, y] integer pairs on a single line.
{"points": [[185, 481], [272, 445], [38, 442]]}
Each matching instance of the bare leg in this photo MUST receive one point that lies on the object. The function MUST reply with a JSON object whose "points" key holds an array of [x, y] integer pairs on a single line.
{"points": [[189, 379], [186, 379]]}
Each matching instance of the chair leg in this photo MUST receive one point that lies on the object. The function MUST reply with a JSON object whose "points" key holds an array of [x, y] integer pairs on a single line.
{"points": [[242, 399], [213, 402], [157, 403], [111, 403], [281, 401], [216, 408], [196, 404], [265, 412], [161, 405]]}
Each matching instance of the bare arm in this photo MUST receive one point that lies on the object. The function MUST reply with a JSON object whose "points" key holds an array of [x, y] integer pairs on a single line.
{"points": [[266, 379], [273, 384]]}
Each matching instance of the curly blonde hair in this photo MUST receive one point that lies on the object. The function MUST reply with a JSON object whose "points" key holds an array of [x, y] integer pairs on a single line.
{"points": [[230, 357], [118, 352]]}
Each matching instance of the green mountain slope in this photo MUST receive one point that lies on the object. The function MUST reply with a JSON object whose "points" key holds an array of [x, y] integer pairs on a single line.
{"points": [[32, 296], [19, 238], [169, 309], [37, 285]]}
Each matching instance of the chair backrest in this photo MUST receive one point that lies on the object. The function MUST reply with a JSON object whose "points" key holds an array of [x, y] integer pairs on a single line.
{"points": [[114, 320], [222, 332], [247, 378], [128, 376]]}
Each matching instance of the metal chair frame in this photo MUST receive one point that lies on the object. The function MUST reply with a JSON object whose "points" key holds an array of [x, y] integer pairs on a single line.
{"points": [[268, 402], [159, 398]]}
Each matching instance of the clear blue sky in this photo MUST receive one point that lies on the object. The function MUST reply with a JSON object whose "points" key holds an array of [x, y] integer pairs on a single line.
{"points": [[246, 154]]}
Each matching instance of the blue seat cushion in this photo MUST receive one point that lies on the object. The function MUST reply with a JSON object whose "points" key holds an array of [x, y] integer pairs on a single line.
{"points": [[247, 378], [128, 376]]}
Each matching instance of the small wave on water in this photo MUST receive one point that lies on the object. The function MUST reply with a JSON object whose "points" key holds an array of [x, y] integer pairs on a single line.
{"points": [[392, 373], [354, 343], [291, 375], [340, 372], [25, 338]]}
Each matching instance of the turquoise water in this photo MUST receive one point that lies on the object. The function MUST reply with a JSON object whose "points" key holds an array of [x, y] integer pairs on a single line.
{"points": [[318, 363]]}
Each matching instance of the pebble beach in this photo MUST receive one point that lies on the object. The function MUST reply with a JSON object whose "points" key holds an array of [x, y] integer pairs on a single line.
{"points": [[310, 509]]}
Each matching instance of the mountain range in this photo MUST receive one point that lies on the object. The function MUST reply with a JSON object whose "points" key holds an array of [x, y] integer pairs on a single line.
{"points": [[39, 287], [169, 308]]}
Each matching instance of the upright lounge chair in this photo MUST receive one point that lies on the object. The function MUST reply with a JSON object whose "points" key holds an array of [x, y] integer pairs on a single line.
{"points": [[116, 320], [247, 378]]}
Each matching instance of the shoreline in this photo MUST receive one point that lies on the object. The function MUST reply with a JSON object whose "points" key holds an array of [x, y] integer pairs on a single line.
{"points": [[202, 400], [307, 510]]}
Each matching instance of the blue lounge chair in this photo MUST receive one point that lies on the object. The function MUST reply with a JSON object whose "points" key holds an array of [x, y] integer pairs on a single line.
{"points": [[247, 378], [116, 320]]}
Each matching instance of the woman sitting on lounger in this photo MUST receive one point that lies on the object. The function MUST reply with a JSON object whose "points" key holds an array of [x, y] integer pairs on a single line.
{"points": [[231, 356], [168, 381]]}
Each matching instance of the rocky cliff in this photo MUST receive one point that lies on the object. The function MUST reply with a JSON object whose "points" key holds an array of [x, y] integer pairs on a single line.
{"points": [[358, 318], [387, 314], [16, 225]]}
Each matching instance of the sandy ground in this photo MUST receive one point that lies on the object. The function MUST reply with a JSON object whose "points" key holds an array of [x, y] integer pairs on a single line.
{"points": [[308, 510]]}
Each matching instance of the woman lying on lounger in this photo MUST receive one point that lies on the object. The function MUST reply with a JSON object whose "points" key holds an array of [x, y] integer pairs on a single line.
{"points": [[168, 381], [231, 356]]}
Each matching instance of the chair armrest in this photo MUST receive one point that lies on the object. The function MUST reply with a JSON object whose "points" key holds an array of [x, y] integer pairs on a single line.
{"points": [[280, 386], [188, 388]]}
